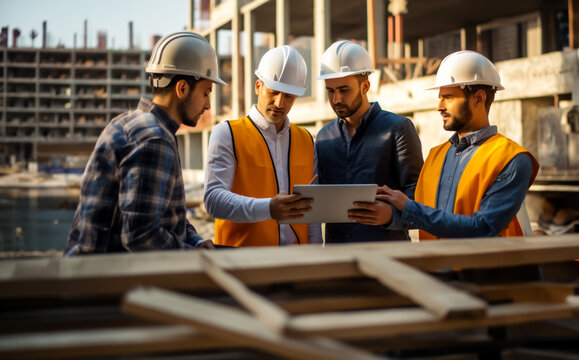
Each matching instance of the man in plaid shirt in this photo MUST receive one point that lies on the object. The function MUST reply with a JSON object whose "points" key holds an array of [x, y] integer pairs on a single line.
{"points": [[132, 193]]}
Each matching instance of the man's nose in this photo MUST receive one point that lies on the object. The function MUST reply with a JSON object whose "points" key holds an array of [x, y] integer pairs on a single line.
{"points": [[279, 100]]}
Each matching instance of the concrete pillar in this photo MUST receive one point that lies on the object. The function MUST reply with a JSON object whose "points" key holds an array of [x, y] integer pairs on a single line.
{"points": [[187, 151], [398, 36], [204, 147], [376, 29], [321, 42], [248, 81], [215, 96], [235, 62], [191, 13], [573, 24], [282, 14]]}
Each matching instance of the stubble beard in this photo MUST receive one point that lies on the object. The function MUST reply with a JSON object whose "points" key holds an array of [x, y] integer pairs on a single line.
{"points": [[458, 122]]}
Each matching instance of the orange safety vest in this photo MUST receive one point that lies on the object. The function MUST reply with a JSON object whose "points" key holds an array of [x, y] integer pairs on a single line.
{"points": [[256, 177], [485, 165]]}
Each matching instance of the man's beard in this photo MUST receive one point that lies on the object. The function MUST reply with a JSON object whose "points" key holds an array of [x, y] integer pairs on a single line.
{"points": [[182, 110], [349, 110], [458, 121]]}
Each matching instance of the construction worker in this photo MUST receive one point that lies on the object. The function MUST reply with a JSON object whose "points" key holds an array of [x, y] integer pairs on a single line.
{"points": [[364, 145], [253, 162], [474, 184], [132, 194]]}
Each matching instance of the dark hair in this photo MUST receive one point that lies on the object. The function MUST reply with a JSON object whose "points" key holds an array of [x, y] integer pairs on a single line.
{"points": [[489, 90], [361, 78], [192, 81]]}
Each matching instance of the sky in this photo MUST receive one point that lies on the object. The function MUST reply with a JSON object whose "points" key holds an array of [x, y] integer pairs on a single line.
{"points": [[66, 17]]}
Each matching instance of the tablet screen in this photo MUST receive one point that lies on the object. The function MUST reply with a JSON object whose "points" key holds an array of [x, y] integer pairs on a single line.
{"points": [[332, 201]]}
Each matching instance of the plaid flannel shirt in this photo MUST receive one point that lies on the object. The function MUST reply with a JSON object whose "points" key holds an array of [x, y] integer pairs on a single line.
{"points": [[132, 194]]}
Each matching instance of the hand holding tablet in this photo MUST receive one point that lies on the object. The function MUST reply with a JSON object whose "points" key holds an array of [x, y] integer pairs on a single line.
{"points": [[332, 201]]}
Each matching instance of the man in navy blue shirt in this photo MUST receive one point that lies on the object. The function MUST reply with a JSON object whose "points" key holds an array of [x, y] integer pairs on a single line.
{"points": [[364, 145]]}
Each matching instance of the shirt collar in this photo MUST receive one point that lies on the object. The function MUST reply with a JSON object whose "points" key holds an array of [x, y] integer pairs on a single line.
{"points": [[265, 125], [146, 105], [475, 137], [364, 118]]}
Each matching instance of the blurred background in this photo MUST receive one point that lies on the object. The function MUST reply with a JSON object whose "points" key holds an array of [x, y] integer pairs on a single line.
{"points": [[68, 67]]}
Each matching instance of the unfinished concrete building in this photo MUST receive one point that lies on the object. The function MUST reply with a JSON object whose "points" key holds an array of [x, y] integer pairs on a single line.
{"points": [[55, 102]]}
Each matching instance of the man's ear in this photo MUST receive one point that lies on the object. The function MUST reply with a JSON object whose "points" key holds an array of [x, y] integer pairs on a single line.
{"points": [[181, 89], [257, 86], [480, 97], [365, 86]]}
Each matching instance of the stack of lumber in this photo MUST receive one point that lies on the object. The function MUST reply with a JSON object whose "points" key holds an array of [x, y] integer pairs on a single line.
{"points": [[353, 301]]}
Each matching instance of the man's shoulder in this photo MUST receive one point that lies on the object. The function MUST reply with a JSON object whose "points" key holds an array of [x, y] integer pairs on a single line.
{"points": [[500, 140], [328, 128], [390, 116], [141, 126]]}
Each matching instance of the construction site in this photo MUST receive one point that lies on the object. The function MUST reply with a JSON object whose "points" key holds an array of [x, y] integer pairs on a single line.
{"points": [[444, 300]]}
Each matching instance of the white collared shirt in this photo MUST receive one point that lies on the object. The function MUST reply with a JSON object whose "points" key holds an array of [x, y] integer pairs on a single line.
{"points": [[222, 203]]}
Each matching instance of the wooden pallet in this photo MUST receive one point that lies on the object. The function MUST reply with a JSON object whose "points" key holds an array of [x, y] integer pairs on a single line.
{"points": [[353, 301]]}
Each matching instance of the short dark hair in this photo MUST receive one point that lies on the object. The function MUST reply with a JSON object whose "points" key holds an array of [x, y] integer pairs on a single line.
{"points": [[361, 77], [192, 81], [489, 90]]}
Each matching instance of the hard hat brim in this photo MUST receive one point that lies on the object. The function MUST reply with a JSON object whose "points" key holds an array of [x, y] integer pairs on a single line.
{"points": [[342, 74], [170, 73], [497, 87], [284, 88]]}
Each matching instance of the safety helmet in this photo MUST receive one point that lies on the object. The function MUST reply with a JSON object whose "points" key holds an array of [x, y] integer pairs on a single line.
{"points": [[182, 53], [283, 69], [467, 67], [344, 58]]}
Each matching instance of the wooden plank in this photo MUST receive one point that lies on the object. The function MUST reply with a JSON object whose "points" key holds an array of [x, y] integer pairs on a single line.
{"points": [[263, 309], [393, 322], [297, 305], [228, 323], [524, 292], [107, 342], [181, 270], [443, 300]]}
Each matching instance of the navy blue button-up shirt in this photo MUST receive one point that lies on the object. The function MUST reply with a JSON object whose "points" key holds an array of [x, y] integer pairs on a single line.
{"points": [[385, 150]]}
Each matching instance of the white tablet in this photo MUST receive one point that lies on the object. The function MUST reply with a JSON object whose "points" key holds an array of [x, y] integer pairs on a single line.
{"points": [[332, 202]]}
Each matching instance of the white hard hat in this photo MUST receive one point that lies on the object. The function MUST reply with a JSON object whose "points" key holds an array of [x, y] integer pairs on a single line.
{"points": [[344, 58], [182, 53], [283, 69], [467, 67]]}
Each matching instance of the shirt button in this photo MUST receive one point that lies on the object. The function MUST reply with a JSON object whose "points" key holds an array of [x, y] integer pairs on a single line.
{"points": [[348, 236]]}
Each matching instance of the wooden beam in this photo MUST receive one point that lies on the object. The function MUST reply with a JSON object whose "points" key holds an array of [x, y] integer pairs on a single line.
{"points": [[115, 274], [263, 309], [523, 292], [106, 342], [443, 300], [228, 323], [341, 302], [377, 323]]}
